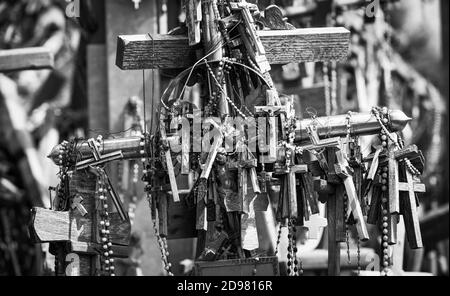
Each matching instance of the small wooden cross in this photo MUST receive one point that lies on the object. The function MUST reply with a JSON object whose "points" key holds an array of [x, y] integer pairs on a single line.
{"points": [[76, 204], [344, 171], [249, 163], [314, 224], [169, 163], [292, 187], [409, 211]]}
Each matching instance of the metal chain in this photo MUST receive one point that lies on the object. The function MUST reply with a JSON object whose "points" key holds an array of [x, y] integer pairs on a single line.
{"points": [[211, 72]]}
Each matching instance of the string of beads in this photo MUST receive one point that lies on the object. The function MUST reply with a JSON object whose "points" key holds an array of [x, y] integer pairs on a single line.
{"points": [[147, 171], [107, 252]]}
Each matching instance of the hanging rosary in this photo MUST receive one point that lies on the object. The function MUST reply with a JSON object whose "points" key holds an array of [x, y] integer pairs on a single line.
{"points": [[107, 262]]}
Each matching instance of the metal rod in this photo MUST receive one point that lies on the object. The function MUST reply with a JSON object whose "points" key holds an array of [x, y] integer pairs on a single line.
{"points": [[332, 126]]}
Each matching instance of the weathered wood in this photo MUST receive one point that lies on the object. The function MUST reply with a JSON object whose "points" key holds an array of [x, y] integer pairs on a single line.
{"points": [[55, 226], [411, 215], [31, 58], [334, 268], [282, 47], [394, 193], [265, 266], [317, 259]]}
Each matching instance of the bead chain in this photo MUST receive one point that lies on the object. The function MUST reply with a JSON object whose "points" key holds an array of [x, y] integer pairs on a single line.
{"points": [[107, 264], [61, 194], [210, 71], [162, 241], [297, 270], [347, 236], [164, 249], [384, 172], [278, 239], [290, 269], [385, 238], [294, 269]]}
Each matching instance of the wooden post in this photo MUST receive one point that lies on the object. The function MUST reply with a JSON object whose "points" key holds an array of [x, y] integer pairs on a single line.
{"points": [[74, 235]]}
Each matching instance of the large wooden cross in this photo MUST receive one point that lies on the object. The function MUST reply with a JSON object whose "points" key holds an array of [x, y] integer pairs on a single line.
{"points": [[281, 46], [137, 52]]}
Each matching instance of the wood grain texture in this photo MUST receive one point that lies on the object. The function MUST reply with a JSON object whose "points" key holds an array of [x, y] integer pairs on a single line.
{"points": [[317, 259], [265, 266], [282, 47], [394, 193], [55, 226], [49, 226], [334, 260], [31, 58], [84, 184], [411, 215]]}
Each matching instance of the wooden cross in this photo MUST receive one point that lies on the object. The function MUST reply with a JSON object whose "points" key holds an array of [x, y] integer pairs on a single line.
{"points": [[314, 224], [292, 188], [331, 191], [76, 204], [248, 163], [409, 211], [339, 181], [137, 52], [343, 171], [169, 163], [402, 195]]}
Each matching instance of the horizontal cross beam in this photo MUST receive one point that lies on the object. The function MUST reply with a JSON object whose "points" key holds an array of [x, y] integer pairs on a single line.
{"points": [[31, 58], [136, 52]]}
